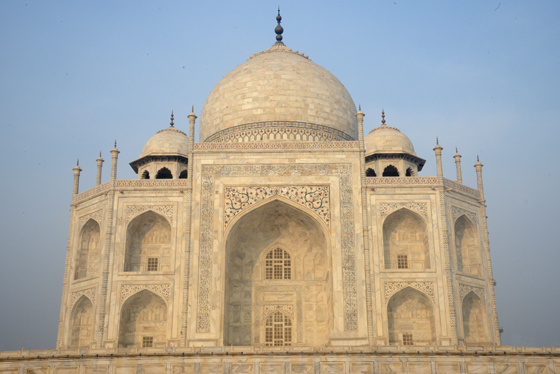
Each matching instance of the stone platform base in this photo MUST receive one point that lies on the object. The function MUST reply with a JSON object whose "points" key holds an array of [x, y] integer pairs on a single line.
{"points": [[219, 360]]}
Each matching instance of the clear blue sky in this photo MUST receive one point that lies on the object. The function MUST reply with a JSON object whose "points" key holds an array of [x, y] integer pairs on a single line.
{"points": [[484, 76]]}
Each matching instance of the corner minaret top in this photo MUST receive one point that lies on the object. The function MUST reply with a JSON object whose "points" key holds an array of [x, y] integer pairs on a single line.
{"points": [[279, 29]]}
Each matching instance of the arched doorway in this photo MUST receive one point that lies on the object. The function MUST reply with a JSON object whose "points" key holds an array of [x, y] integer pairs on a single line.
{"points": [[277, 261], [143, 321], [411, 318]]}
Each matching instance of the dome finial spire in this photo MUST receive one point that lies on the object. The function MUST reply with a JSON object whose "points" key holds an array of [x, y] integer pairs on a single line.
{"points": [[383, 117], [171, 123], [279, 30]]}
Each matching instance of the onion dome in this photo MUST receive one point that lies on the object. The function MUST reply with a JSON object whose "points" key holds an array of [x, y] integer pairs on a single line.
{"points": [[282, 90]]}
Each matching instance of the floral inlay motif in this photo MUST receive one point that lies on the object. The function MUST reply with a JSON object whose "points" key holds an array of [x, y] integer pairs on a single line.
{"points": [[89, 293], [315, 198], [392, 288], [420, 208], [464, 290], [97, 216], [134, 210], [130, 289], [288, 309], [458, 212]]}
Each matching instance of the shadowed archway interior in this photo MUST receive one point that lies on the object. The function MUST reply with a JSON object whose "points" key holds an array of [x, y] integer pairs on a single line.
{"points": [[277, 260]]}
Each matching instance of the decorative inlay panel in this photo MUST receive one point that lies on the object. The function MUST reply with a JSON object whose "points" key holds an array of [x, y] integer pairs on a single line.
{"points": [[392, 288], [401, 180], [315, 198], [464, 289], [288, 309], [420, 208], [134, 210], [152, 183], [458, 212], [215, 146], [461, 187], [347, 240], [92, 191], [130, 289], [97, 216], [89, 293], [278, 130]]}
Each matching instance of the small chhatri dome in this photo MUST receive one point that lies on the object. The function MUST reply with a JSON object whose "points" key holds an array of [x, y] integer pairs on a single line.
{"points": [[169, 141], [281, 89], [387, 139]]}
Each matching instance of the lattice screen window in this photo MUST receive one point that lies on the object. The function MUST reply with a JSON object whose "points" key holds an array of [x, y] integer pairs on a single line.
{"points": [[407, 339], [147, 341], [402, 261], [152, 264], [278, 330], [278, 265]]}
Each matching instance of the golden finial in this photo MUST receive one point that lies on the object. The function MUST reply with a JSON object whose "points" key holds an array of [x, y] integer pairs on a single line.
{"points": [[360, 107], [437, 140], [192, 110], [99, 153], [115, 143], [456, 151], [382, 117], [477, 159], [171, 123], [78, 162]]}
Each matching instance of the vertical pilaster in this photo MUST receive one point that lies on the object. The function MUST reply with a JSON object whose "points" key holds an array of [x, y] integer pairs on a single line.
{"points": [[99, 168], [457, 158], [103, 294], [365, 224], [438, 148], [188, 215], [77, 171], [496, 326], [444, 231], [63, 302]]}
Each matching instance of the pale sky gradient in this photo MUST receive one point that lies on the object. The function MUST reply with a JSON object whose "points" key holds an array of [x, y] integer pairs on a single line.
{"points": [[484, 76]]}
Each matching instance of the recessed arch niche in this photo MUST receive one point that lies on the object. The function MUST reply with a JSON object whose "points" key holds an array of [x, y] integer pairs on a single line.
{"points": [[405, 241], [87, 258], [466, 247], [280, 227], [81, 324], [474, 319], [143, 318], [411, 318], [148, 236]]}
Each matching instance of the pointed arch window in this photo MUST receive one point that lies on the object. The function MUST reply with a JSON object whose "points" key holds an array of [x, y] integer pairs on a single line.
{"points": [[391, 171], [278, 330], [278, 265], [370, 173], [164, 173]]}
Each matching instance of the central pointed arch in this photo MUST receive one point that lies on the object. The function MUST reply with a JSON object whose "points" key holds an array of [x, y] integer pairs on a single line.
{"points": [[301, 239]]}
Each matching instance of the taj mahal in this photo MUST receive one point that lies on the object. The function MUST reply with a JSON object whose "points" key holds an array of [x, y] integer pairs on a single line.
{"points": [[286, 241]]}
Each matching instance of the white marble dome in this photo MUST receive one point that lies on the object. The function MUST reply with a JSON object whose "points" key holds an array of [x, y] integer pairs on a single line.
{"points": [[283, 86], [169, 141], [387, 139]]}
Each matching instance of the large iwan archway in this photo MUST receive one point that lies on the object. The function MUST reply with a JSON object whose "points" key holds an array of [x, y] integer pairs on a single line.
{"points": [[277, 260]]}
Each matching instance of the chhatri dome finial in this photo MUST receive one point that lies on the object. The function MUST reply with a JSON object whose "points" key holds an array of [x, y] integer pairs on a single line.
{"points": [[171, 119], [279, 30], [383, 117]]}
